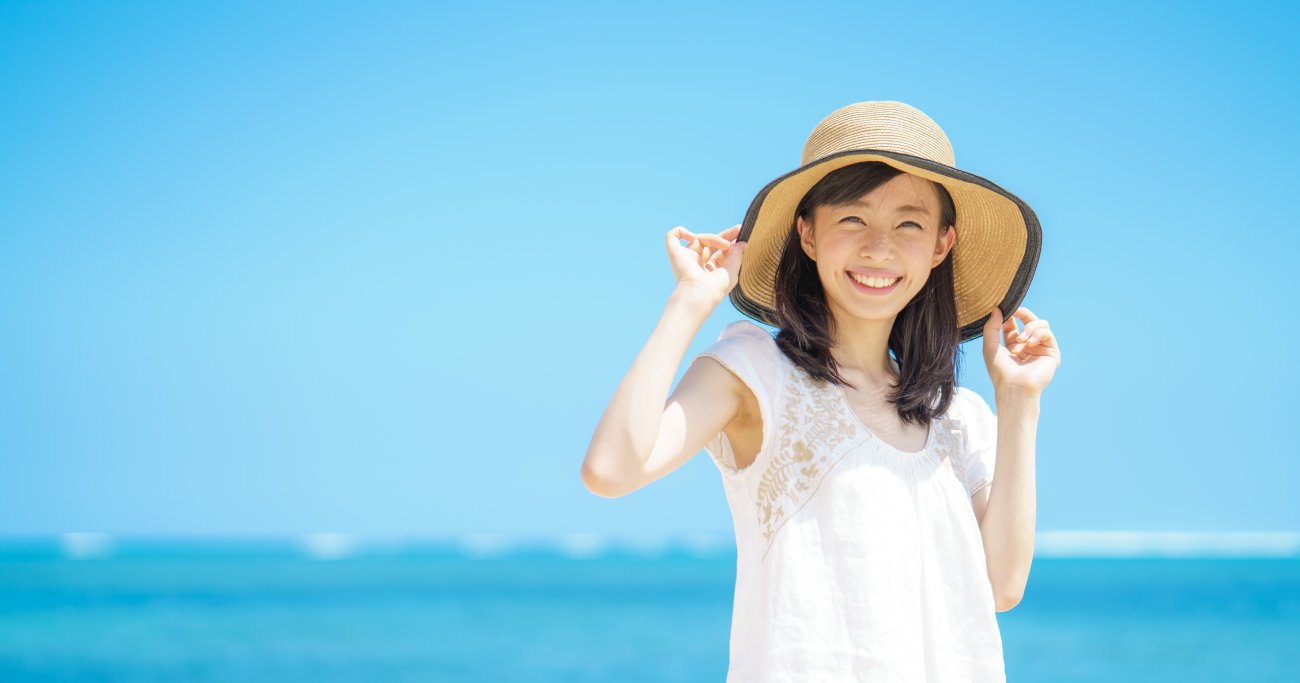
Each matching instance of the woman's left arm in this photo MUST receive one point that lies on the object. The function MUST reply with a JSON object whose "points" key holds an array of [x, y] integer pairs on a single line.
{"points": [[1007, 525], [1019, 371]]}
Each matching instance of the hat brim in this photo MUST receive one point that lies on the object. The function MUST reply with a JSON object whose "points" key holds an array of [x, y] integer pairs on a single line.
{"points": [[998, 244]]}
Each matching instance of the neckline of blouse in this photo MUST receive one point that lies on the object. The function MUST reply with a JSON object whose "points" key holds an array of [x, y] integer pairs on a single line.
{"points": [[929, 433]]}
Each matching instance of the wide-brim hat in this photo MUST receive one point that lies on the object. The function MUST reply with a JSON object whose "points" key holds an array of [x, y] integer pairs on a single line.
{"points": [[998, 235]]}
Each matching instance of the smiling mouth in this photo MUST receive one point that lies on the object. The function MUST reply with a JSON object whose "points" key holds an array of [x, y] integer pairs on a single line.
{"points": [[881, 283]]}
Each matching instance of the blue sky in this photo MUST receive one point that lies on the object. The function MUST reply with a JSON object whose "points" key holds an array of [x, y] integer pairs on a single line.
{"points": [[377, 268]]}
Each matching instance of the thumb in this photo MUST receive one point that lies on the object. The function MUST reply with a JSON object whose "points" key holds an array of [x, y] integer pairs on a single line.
{"points": [[992, 332], [734, 256]]}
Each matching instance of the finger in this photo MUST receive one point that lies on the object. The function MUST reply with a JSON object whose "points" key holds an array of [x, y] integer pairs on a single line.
{"points": [[1040, 350], [1025, 315], [991, 327], [730, 233], [715, 260], [677, 234], [733, 258], [1029, 352], [720, 255], [1046, 339], [1024, 352], [1009, 324], [716, 245], [1032, 328], [715, 241], [1039, 332], [1010, 334], [681, 233]]}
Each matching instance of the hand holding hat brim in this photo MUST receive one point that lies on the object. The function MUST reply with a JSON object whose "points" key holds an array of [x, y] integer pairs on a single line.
{"points": [[709, 264], [1030, 357]]}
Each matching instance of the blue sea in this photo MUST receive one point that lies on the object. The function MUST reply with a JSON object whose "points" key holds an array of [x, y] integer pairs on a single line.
{"points": [[179, 610]]}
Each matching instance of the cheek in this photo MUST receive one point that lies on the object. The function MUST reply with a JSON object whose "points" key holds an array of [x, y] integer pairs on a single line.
{"points": [[919, 254]]}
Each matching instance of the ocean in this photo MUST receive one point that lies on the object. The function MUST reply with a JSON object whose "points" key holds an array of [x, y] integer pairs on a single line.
{"points": [[190, 610]]}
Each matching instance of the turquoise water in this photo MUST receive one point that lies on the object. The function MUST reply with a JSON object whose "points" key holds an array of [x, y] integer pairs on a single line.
{"points": [[250, 612]]}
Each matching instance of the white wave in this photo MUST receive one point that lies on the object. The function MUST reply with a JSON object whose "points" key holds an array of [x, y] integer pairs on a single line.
{"points": [[486, 544], [650, 545], [80, 545], [329, 545], [704, 543], [1166, 544], [582, 544]]}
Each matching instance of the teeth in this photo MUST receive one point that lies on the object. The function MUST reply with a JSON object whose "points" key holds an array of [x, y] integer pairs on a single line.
{"points": [[874, 281]]}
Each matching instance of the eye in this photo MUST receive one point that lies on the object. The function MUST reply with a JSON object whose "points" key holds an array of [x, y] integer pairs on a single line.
{"points": [[855, 218]]}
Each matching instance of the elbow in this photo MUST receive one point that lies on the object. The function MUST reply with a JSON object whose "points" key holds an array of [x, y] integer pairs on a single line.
{"points": [[1006, 599], [599, 485], [613, 473], [1009, 587]]}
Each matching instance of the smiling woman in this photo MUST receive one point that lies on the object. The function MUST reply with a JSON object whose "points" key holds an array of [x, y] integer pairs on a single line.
{"points": [[890, 234], [862, 515]]}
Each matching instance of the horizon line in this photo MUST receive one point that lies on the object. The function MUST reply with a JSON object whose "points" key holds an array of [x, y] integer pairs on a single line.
{"points": [[577, 545]]}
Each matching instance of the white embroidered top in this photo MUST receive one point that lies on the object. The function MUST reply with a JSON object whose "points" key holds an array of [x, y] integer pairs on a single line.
{"points": [[856, 561]]}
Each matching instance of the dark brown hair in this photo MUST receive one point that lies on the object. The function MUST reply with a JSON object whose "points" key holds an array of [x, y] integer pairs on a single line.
{"points": [[924, 339]]}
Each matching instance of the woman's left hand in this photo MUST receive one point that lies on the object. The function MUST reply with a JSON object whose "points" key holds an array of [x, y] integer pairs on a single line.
{"points": [[1030, 357]]}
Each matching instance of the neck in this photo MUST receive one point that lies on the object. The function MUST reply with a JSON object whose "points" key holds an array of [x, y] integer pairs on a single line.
{"points": [[862, 348]]}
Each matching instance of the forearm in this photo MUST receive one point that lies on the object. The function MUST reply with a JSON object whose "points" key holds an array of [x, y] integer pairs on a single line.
{"points": [[1008, 525], [628, 429]]}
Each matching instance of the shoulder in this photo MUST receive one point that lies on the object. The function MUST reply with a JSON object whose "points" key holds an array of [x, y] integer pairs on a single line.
{"points": [[972, 413], [746, 329], [965, 401], [750, 352], [745, 337]]}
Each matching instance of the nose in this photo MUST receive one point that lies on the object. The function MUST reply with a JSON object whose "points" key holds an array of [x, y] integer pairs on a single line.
{"points": [[875, 242]]}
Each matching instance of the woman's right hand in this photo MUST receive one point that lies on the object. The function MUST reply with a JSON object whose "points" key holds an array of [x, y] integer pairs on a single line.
{"points": [[709, 264]]}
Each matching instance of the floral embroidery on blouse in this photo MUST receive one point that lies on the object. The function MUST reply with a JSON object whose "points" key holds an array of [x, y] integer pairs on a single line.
{"points": [[815, 435], [947, 442], [812, 433]]}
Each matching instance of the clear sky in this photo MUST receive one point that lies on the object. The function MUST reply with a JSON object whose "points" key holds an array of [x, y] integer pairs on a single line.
{"points": [[377, 268]]}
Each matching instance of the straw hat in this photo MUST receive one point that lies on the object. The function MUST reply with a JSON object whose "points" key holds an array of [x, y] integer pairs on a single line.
{"points": [[998, 236]]}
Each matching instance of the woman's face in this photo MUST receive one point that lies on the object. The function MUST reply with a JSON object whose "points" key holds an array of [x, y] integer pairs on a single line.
{"points": [[890, 233]]}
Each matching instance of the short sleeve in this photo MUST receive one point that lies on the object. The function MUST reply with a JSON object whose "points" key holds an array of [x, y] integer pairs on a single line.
{"points": [[748, 351], [979, 426]]}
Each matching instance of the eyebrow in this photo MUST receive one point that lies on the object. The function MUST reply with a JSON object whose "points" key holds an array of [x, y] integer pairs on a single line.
{"points": [[901, 209]]}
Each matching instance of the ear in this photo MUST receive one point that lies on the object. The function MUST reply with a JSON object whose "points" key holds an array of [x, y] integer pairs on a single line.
{"points": [[806, 238], [944, 245]]}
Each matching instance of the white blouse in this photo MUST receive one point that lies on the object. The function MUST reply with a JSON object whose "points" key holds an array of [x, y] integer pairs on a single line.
{"points": [[855, 561]]}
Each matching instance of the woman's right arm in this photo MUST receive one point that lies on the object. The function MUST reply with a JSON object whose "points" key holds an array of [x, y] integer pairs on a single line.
{"points": [[644, 434]]}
